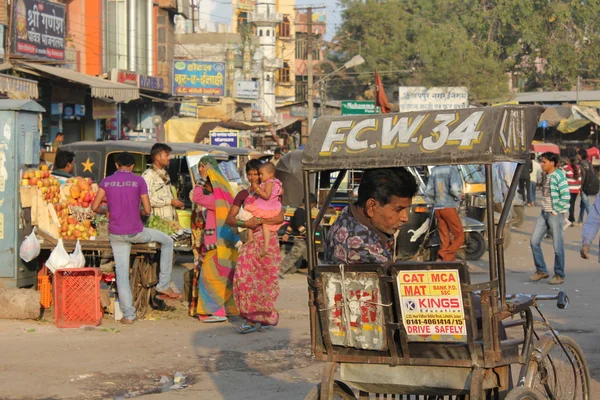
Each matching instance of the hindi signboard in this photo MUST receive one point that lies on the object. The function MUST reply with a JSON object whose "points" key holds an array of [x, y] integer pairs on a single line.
{"points": [[246, 89], [199, 78], [39, 29], [356, 107], [417, 98], [222, 138], [432, 306]]}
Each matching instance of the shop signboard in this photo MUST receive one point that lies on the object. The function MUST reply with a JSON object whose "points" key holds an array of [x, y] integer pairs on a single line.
{"points": [[357, 107], [417, 98], [39, 29], [224, 138], [188, 109], [246, 5], [150, 82], [147, 82], [246, 89], [432, 306], [122, 76], [103, 109], [199, 78]]}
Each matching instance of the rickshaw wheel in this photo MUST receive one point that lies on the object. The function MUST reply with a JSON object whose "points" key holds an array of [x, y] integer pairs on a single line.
{"points": [[141, 279], [474, 246], [522, 393], [557, 378], [340, 391]]}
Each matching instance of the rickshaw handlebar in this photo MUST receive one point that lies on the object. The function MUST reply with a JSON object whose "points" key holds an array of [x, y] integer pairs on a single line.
{"points": [[562, 300]]}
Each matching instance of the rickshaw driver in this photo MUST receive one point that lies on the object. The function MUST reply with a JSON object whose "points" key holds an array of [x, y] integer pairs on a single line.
{"points": [[364, 231]]}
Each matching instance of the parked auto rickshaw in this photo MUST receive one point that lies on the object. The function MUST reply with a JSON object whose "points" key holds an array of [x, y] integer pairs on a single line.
{"points": [[423, 329]]}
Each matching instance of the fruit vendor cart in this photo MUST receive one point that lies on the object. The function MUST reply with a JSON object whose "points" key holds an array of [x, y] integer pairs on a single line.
{"points": [[143, 271]]}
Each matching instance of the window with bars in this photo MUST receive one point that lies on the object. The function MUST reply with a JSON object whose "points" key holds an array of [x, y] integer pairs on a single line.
{"points": [[302, 47], [285, 29], [283, 74]]}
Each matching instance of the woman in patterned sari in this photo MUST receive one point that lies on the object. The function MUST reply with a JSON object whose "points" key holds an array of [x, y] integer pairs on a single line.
{"points": [[255, 284], [213, 284]]}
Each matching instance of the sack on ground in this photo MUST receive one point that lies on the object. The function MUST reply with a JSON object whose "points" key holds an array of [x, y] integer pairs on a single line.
{"points": [[77, 258], [30, 248], [59, 258]]}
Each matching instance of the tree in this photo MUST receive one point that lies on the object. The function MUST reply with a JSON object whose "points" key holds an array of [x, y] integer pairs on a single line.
{"points": [[478, 44]]}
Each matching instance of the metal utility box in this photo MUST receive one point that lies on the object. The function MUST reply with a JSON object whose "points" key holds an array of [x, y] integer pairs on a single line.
{"points": [[19, 149]]}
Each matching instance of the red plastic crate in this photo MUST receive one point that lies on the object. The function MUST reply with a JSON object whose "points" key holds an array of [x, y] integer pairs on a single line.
{"points": [[77, 297]]}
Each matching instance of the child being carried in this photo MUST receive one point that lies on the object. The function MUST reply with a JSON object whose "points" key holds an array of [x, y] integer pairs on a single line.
{"points": [[265, 203]]}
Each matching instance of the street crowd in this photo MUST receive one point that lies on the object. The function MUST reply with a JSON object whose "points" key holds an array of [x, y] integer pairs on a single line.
{"points": [[237, 259]]}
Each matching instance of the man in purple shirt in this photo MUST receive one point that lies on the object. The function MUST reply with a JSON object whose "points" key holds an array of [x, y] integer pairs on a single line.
{"points": [[124, 191]]}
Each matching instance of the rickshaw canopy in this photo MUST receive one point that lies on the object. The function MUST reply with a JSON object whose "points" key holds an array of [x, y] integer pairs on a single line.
{"points": [[466, 136]]}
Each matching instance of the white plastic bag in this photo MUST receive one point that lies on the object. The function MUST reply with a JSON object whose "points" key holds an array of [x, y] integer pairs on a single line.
{"points": [[30, 248], [59, 258], [77, 258]]}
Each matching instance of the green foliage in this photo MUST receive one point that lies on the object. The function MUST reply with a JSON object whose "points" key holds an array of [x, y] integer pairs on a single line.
{"points": [[156, 222], [477, 44]]}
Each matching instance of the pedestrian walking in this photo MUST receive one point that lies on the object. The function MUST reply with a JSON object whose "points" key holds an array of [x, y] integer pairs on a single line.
{"points": [[256, 283], [525, 181], [574, 180], [587, 175], [212, 296], [124, 193], [555, 203], [297, 230], [444, 190], [535, 179], [590, 229]]}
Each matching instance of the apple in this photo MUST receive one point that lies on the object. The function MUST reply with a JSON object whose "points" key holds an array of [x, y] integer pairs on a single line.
{"points": [[24, 182], [39, 183], [33, 181], [38, 174]]}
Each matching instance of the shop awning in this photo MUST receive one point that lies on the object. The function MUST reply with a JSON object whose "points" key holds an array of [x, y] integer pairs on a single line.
{"points": [[186, 130], [101, 89], [285, 122]]}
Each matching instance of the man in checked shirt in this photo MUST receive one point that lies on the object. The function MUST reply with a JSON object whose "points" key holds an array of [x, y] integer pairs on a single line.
{"points": [[159, 184]]}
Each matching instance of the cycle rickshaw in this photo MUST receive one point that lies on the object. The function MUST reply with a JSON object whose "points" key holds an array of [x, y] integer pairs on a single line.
{"points": [[423, 330]]}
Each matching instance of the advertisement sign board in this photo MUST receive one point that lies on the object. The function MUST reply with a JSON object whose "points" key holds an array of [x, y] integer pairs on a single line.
{"points": [[356, 107], [188, 109], [246, 89], [221, 138], [39, 29], [199, 78], [416, 98], [103, 109], [432, 306]]}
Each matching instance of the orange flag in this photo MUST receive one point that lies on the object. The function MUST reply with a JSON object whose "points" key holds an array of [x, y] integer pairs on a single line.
{"points": [[380, 97]]}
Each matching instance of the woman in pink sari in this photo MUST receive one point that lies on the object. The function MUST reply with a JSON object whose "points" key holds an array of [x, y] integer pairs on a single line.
{"points": [[256, 279]]}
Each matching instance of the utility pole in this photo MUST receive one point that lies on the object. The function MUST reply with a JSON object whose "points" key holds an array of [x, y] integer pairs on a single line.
{"points": [[309, 47]]}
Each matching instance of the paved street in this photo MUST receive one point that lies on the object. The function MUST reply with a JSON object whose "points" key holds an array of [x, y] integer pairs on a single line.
{"points": [[112, 360]]}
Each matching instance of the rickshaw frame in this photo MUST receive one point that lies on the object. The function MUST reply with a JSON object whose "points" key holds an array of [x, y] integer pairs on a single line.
{"points": [[491, 354]]}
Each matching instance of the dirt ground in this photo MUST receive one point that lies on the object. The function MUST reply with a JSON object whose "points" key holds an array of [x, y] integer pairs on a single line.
{"points": [[114, 361]]}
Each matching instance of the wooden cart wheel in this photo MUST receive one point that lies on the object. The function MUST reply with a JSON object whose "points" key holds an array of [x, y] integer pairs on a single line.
{"points": [[141, 280]]}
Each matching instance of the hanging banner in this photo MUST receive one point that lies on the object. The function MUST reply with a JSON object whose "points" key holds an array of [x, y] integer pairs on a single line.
{"points": [[415, 98], [199, 78], [103, 109], [39, 29], [432, 307]]}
